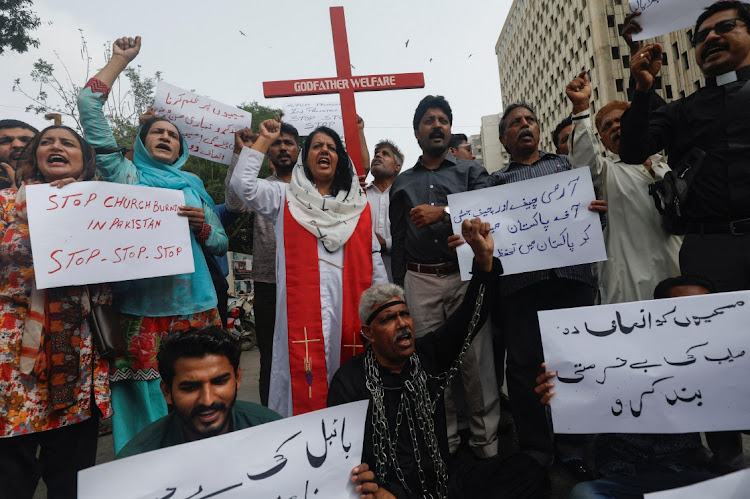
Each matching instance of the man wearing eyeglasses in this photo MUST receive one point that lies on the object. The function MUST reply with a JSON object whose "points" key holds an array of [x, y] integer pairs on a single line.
{"points": [[715, 120]]}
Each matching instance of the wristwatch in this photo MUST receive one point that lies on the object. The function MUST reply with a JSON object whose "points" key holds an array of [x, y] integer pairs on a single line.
{"points": [[447, 214]]}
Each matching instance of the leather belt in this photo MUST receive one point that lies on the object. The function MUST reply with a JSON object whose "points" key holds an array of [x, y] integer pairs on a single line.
{"points": [[735, 227], [439, 269]]}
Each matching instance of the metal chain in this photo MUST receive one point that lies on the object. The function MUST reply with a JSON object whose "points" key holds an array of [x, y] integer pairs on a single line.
{"points": [[416, 402]]}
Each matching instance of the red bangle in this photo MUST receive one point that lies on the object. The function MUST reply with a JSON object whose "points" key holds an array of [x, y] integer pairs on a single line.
{"points": [[97, 85], [204, 233]]}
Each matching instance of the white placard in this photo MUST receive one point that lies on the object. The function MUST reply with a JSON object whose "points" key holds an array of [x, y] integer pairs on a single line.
{"points": [[732, 486], [306, 117], [661, 366], [311, 455], [659, 17], [207, 124], [537, 224], [90, 232]]}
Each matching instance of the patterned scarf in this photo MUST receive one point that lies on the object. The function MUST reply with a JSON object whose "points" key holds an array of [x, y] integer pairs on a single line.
{"points": [[331, 220]]}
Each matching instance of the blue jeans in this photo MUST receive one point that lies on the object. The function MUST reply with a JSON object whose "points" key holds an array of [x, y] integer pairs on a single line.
{"points": [[625, 487]]}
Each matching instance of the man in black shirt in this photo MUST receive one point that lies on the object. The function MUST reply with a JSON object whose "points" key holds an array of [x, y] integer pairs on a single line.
{"points": [[405, 440], [423, 264], [714, 120]]}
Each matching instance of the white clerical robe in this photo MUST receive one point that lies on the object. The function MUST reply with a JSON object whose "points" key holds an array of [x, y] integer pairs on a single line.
{"points": [[268, 199], [640, 252]]}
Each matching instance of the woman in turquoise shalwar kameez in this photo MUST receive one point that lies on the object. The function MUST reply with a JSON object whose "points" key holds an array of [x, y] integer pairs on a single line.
{"points": [[151, 308]]}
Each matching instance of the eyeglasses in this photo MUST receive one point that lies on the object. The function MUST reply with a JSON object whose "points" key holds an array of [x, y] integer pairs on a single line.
{"points": [[721, 28]]}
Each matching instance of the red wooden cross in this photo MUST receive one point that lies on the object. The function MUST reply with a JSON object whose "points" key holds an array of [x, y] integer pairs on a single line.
{"points": [[345, 85]]}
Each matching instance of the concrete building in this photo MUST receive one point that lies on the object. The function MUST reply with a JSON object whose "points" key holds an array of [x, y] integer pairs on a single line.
{"points": [[475, 141], [493, 154], [545, 43]]}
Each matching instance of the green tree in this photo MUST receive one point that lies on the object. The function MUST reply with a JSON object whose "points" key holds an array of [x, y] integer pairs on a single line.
{"points": [[16, 21]]}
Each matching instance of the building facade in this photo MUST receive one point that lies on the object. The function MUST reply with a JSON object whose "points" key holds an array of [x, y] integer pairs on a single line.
{"points": [[544, 44]]}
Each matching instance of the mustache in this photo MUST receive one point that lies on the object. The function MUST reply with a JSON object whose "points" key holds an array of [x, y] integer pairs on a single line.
{"points": [[712, 45], [526, 132], [402, 334], [202, 409], [437, 133]]}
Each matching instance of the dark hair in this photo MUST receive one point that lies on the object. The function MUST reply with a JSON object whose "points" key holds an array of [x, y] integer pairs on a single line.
{"points": [[16, 124], [288, 129], [342, 177], [559, 128], [457, 139], [743, 11], [430, 102], [503, 119], [196, 343], [28, 168], [664, 288], [150, 122], [397, 154]]}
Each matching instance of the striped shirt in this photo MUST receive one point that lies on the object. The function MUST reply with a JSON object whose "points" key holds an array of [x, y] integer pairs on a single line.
{"points": [[547, 164]]}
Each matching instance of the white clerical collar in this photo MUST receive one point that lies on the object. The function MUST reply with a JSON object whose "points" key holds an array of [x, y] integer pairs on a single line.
{"points": [[730, 77]]}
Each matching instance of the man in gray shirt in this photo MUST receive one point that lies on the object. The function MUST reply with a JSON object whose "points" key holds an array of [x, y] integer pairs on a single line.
{"points": [[422, 262]]}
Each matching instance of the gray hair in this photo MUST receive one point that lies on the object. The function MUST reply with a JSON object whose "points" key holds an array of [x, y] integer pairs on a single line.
{"points": [[380, 293]]}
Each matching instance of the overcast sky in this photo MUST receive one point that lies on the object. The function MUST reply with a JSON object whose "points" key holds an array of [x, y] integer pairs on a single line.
{"points": [[198, 45]]}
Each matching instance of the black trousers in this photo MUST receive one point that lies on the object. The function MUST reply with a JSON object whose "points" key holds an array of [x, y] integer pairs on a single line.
{"points": [[64, 452], [265, 320], [523, 343], [518, 476], [724, 259]]}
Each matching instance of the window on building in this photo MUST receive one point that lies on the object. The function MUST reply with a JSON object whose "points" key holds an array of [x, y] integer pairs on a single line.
{"points": [[611, 21], [685, 61], [591, 60], [615, 52], [588, 32], [669, 91], [596, 93], [675, 51], [619, 28], [657, 82], [664, 59], [697, 85], [583, 4], [682, 94], [626, 61], [619, 84]]}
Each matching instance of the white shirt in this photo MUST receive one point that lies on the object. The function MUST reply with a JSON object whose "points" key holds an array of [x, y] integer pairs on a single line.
{"points": [[641, 253], [381, 224]]}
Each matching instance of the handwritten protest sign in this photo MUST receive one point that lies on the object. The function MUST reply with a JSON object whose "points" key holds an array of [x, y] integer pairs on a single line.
{"points": [[207, 125], [732, 486], [307, 117], [537, 224], [89, 232], [664, 16], [311, 455], [662, 366]]}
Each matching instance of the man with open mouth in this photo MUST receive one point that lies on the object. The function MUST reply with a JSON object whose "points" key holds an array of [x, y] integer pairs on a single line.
{"points": [[635, 265], [716, 213], [404, 377]]}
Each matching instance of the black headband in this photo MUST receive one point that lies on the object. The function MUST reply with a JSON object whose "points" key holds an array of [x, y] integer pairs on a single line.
{"points": [[381, 308]]}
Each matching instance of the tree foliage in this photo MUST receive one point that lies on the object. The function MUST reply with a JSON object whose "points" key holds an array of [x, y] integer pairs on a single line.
{"points": [[16, 22]]}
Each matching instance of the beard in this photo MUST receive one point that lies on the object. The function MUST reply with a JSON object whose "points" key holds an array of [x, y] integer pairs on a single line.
{"points": [[202, 432]]}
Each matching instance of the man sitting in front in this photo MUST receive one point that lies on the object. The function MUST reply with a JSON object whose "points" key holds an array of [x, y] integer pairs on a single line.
{"points": [[405, 436], [200, 375]]}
